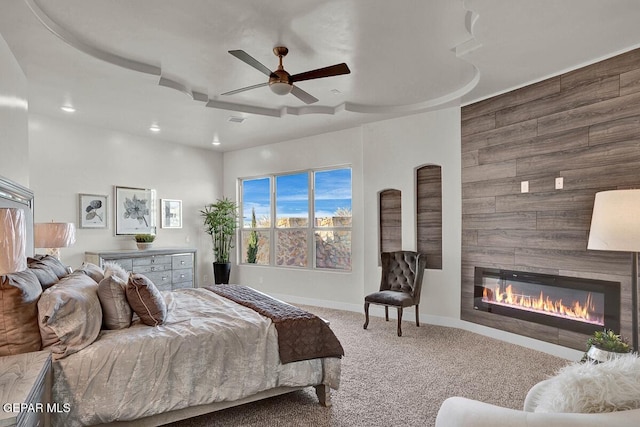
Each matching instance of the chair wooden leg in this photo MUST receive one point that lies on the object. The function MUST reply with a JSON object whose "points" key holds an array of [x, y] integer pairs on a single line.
{"points": [[386, 313], [366, 315], [399, 321], [417, 316]]}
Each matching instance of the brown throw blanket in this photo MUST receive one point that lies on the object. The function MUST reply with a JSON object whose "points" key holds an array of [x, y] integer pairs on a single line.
{"points": [[301, 335]]}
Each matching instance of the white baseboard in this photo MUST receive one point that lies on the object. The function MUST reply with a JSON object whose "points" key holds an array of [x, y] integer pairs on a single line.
{"points": [[409, 314]]}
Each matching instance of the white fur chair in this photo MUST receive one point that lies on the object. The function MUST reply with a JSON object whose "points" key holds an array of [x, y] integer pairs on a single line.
{"points": [[575, 386]]}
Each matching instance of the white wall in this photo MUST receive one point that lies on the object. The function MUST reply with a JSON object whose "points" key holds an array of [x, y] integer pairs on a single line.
{"points": [[67, 159], [332, 149], [14, 142], [393, 150], [383, 155]]}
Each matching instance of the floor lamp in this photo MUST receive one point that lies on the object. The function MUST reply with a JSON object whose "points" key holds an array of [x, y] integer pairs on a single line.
{"points": [[615, 226]]}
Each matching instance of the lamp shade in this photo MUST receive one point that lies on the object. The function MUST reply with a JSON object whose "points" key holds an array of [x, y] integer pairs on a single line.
{"points": [[13, 241], [54, 234], [615, 224]]}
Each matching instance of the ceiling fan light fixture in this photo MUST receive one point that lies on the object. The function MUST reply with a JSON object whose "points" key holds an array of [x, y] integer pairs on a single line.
{"points": [[280, 88]]}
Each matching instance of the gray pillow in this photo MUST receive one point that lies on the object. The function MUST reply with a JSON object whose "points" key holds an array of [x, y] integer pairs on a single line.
{"points": [[146, 300], [116, 312], [70, 315]]}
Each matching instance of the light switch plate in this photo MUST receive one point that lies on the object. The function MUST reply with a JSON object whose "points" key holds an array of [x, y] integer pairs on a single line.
{"points": [[524, 186], [559, 183]]}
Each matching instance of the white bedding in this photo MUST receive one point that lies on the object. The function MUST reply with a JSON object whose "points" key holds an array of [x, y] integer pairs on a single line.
{"points": [[209, 350]]}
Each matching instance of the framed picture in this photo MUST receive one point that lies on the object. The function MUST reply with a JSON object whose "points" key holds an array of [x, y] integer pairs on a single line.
{"points": [[93, 211], [135, 210], [170, 213]]}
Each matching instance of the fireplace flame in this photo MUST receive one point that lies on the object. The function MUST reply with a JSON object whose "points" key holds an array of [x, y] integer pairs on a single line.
{"points": [[543, 304]]}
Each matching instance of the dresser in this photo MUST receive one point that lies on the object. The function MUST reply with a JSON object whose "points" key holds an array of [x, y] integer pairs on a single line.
{"points": [[167, 268], [25, 390]]}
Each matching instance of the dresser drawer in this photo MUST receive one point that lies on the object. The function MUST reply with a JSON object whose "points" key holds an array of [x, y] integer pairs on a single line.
{"points": [[144, 269], [182, 261], [162, 279], [182, 275], [153, 260]]}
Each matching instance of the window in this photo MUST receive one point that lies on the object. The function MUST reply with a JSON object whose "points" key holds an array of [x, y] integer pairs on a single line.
{"points": [[312, 227]]}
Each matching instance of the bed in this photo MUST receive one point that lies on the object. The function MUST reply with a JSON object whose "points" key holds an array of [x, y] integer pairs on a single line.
{"points": [[212, 351]]}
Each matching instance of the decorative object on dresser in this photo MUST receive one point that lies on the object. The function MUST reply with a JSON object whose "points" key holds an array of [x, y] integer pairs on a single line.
{"points": [[221, 222], [53, 236], [13, 241], [135, 210], [171, 213], [144, 241], [26, 379], [615, 226], [93, 211], [168, 269]]}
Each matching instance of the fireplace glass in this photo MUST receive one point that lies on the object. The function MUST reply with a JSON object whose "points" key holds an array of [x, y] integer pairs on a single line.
{"points": [[570, 303]]}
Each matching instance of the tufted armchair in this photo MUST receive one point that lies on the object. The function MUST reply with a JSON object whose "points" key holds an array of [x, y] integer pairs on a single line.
{"points": [[400, 285]]}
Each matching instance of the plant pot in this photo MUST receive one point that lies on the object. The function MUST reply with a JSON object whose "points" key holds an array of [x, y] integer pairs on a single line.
{"points": [[144, 245], [221, 272], [598, 355]]}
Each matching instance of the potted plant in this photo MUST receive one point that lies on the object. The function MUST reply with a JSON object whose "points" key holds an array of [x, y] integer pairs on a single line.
{"points": [[144, 241], [221, 223], [605, 345]]}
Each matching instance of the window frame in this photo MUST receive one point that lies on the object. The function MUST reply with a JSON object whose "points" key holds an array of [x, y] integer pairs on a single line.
{"points": [[310, 230]]}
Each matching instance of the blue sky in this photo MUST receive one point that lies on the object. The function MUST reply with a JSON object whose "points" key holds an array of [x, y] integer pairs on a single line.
{"points": [[332, 191]]}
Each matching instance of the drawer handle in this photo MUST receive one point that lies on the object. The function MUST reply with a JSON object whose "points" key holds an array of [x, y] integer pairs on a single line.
{"points": [[153, 269], [181, 262], [164, 278], [182, 276], [153, 261]]}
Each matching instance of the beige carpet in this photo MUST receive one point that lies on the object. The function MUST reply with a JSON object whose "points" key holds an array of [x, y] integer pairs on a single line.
{"points": [[399, 381]]}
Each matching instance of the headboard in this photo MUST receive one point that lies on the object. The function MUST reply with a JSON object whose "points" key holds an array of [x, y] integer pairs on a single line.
{"points": [[14, 195]]}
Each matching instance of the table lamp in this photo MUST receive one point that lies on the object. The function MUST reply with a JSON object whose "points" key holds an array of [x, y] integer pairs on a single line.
{"points": [[13, 241], [53, 236]]}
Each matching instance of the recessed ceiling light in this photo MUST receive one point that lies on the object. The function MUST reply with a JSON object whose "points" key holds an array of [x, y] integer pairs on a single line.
{"points": [[154, 128], [336, 92], [215, 143], [68, 109], [236, 119]]}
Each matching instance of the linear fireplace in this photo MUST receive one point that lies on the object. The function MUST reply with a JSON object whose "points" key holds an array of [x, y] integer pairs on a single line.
{"points": [[570, 303]]}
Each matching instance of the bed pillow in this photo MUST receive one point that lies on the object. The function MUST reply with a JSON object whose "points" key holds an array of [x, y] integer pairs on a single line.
{"points": [[594, 387], [44, 273], [19, 332], [70, 315], [92, 270], [116, 312], [58, 268], [146, 300], [113, 268]]}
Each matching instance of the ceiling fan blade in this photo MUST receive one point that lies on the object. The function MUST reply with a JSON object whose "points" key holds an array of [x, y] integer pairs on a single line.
{"points": [[333, 70], [244, 89], [245, 57], [303, 96]]}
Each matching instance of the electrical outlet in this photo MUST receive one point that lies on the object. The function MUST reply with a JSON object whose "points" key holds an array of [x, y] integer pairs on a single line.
{"points": [[524, 186], [559, 183]]}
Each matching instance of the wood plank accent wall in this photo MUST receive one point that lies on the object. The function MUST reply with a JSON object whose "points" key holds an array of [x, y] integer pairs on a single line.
{"points": [[390, 202], [429, 214], [583, 126]]}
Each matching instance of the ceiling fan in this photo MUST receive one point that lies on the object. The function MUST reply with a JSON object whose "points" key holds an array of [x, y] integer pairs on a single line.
{"points": [[282, 83]]}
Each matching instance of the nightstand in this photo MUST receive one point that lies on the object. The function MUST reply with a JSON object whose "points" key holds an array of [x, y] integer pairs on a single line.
{"points": [[25, 389]]}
